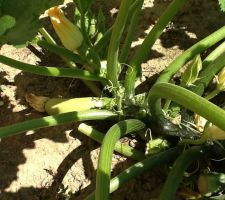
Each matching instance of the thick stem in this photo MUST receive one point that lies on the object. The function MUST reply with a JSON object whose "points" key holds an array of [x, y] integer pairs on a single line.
{"points": [[213, 55], [69, 56], [51, 71], [131, 30], [208, 73], [176, 174], [187, 99], [124, 149], [55, 120], [141, 167], [105, 158], [211, 65], [112, 57], [188, 55], [145, 48]]}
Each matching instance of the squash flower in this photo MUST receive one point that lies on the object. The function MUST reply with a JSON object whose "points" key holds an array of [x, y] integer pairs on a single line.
{"points": [[68, 32]]}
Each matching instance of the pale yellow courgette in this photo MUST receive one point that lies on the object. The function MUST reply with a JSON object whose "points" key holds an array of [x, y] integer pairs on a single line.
{"points": [[59, 105]]}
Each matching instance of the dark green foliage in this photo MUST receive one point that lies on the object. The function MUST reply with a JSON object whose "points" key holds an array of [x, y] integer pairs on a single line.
{"points": [[222, 4], [19, 20], [83, 5]]}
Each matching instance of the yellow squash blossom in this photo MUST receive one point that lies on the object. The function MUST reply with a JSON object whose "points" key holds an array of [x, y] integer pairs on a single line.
{"points": [[68, 33]]}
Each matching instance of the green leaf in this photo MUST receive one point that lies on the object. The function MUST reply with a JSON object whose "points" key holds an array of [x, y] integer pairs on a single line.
{"points": [[90, 22], [222, 4], [26, 15], [83, 5], [100, 25], [6, 22]]}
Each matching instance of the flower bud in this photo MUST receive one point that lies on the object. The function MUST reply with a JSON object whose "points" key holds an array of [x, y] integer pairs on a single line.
{"points": [[190, 75], [221, 80], [68, 33]]}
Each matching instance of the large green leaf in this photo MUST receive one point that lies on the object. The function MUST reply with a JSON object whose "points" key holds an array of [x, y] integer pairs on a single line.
{"points": [[25, 14], [6, 22], [222, 4]]}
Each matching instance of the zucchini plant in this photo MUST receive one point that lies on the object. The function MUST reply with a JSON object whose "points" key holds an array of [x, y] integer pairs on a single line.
{"points": [[99, 58]]}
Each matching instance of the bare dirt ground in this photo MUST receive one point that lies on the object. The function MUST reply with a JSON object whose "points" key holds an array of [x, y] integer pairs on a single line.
{"points": [[59, 162]]}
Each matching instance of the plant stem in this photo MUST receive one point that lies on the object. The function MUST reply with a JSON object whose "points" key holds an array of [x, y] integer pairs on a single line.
{"points": [[90, 56], [188, 55], [167, 105], [69, 56], [124, 149], [112, 57], [199, 141], [131, 30], [55, 120], [61, 51], [189, 100], [145, 48], [141, 167], [213, 55], [212, 94], [105, 158], [50, 40], [51, 71], [47, 36], [83, 29], [211, 65], [208, 73], [102, 43], [176, 174], [64, 54]]}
